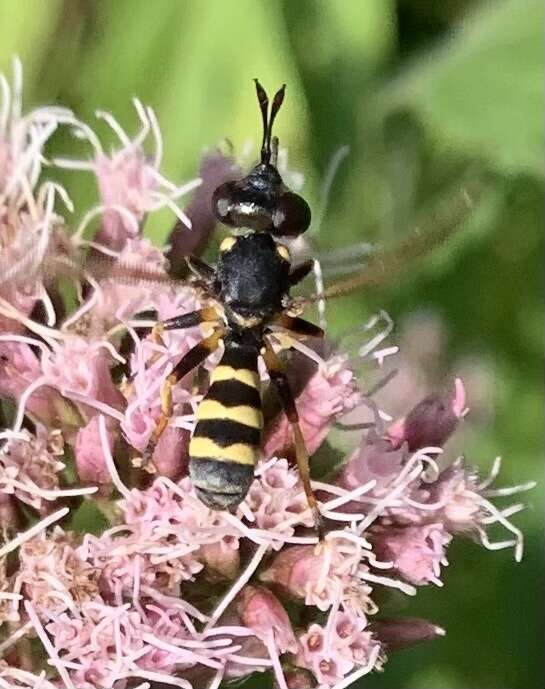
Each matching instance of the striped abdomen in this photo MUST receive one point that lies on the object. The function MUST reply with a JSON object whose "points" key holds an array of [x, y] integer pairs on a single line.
{"points": [[225, 444]]}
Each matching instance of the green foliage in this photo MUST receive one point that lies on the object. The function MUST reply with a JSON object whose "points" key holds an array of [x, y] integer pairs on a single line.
{"points": [[481, 91], [87, 518], [425, 94]]}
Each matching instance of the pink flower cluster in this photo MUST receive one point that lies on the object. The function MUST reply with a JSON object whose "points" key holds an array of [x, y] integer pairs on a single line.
{"points": [[112, 573]]}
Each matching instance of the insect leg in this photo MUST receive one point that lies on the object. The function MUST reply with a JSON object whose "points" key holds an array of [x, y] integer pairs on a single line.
{"points": [[298, 326], [200, 268], [188, 320], [193, 358], [280, 381], [300, 271]]}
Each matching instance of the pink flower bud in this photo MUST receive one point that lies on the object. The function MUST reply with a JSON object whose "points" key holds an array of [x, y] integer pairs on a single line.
{"points": [[277, 495], [8, 513], [171, 454], [291, 569], [331, 652], [298, 678], [90, 463], [221, 558], [404, 632], [416, 552], [314, 573], [251, 647], [331, 391], [375, 459], [82, 368], [215, 169], [124, 180], [19, 367], [263, 613], [431, 422]]}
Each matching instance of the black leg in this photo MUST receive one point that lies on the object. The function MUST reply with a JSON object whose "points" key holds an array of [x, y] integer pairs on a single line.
{"points": [[200, 268], [298, 326], [300, 271], [188, 320], [280, 381]]}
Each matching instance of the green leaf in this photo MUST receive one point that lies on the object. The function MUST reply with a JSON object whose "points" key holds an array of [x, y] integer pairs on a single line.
{"points": [[482, 91], [211, 94], [25, 28], [88, 519], [185, 60], [348, 37]]}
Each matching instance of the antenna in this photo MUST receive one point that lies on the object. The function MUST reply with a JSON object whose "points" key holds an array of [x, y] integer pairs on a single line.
{"points": [[263, 99], [264, 107]]}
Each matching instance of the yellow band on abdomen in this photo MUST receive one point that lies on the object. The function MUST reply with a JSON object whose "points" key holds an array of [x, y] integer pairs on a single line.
{"points": [[243, 375], [210, 409], [240, 453]]}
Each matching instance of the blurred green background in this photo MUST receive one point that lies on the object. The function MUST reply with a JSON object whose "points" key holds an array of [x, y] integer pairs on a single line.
{"points": [[423, 93]]}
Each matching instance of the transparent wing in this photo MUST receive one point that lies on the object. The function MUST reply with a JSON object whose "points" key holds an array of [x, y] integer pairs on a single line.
{"points": [[59, 260], [343, 271]]}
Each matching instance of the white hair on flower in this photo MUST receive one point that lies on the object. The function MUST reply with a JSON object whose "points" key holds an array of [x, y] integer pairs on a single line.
{"points": [[22, 137], [490, 514], [33, 531], [130, 183], [24, 679], [160, 592]]}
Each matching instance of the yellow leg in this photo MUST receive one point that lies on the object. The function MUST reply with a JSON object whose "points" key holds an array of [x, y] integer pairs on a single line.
{"points": [[279, 379], [187, 363]]}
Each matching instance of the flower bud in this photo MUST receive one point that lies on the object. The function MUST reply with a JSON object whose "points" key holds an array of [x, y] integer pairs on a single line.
{"points": [[170, 456], [431, 422], [416, 552], [374, 460], [215, 169], [8, 513], [313, 573], [19, 367], [404, 632], [90, 462], [263, 613], [331, 391], [298, 678], [221, 558], [291, 569]]}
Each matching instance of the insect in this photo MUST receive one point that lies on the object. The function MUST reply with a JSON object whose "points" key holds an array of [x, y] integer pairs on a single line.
{"points": [[250, 292], [246, 295]]}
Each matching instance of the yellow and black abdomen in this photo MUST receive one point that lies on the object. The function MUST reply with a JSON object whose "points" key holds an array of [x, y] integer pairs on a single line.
{"points": [[224, 448]]}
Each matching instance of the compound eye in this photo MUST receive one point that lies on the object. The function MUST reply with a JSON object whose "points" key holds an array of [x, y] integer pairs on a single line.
{"points": [[222, 202], [291, 216]]}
